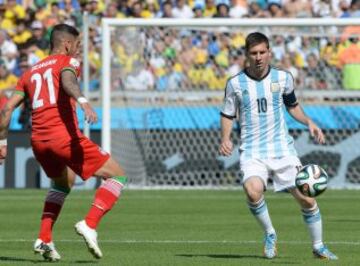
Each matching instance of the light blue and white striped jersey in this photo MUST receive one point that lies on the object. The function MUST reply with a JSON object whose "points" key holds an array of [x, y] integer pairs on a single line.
{"points": [[264, 133]]}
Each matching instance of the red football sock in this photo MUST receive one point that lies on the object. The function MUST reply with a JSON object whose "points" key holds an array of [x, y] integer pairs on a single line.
{"points": [[52, 207], [105, 198]]}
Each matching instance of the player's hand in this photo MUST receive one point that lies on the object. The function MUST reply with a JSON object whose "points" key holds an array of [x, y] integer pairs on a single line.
{"points": [[226, 148], [90, 115], [316, 132], [3, 152]]}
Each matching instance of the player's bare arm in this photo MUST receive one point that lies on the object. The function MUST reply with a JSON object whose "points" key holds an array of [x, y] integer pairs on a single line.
{"points": [[71, 86], [298, 113], [226, 145], [5, 115]]}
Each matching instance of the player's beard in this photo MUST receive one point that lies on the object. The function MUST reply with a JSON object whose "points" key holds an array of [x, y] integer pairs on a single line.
{"points": [[259, 66], [259, 69]]}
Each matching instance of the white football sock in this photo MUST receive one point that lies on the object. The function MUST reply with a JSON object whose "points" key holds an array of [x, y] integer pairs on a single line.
{"points": [[260, 211], [312, 218]]}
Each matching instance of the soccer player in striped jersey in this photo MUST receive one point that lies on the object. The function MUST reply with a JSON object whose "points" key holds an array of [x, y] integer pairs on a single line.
{"points": [[58, 145], [258, 94]]}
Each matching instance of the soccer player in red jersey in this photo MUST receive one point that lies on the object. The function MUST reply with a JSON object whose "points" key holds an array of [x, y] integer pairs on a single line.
{"points": [[58, 145]]}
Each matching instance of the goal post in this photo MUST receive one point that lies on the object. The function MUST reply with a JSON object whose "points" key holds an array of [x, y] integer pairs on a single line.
{"points": [[151, 128]]}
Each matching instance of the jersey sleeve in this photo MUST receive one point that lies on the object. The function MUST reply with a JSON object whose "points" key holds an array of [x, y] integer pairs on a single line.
{"points": [[289, 96], [20, 86], [289, 83], [229, 107], [73, 65]]}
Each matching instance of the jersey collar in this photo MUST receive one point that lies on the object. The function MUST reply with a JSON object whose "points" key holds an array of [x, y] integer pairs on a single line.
{"points": [[257, 79]]}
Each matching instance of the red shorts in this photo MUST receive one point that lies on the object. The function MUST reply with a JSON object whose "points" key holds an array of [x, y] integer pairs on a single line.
{"points": [[82, 155]]}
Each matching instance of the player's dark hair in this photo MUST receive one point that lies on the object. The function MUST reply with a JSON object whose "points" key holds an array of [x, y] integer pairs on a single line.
{"points": [[256, 38], [58, 33]]}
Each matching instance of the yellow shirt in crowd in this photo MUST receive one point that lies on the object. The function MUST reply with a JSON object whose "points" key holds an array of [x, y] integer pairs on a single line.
{"points": [[22, 37], [9, 82]]}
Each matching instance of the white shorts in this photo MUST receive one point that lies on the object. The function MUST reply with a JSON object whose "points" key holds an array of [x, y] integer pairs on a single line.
{"points": [[284, 170]]}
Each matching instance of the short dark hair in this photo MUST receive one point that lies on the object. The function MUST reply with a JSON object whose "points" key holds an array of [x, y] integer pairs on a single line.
{"points": [[256, 38], [59, 30]]}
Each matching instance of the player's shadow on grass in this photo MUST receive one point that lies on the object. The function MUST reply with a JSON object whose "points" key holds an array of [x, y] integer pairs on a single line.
{"points": [[35, 261], [221, 256]]}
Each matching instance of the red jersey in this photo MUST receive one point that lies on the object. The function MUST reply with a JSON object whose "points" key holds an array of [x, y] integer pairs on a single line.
{"points": [[53, 111]]}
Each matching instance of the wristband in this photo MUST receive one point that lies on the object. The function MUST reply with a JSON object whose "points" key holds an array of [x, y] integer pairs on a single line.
{"points": [[81, 100], [3, 142]]}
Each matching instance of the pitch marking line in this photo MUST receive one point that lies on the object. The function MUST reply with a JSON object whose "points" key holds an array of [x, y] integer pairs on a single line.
{"points": [[349, 243]]}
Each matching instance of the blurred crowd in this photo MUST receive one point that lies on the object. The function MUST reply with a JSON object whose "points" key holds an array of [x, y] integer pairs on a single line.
{"points": [[203, 59], [173, 59]]}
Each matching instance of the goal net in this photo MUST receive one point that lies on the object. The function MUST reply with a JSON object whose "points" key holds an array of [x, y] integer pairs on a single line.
{"points": [[163, 84]]}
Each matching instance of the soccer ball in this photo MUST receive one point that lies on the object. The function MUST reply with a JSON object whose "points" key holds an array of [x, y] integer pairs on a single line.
{"points": [[311, 180]]}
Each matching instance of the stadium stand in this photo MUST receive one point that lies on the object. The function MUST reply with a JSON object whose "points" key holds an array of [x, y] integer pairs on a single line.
{"points": [[203, 61]]}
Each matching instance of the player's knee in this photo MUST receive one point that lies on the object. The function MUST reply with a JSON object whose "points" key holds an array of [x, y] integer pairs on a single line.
{"points": [[307, 202], [116, 170], [119, 171], [304, 201], [65, 183], [254, 190], [71, 182], [110, 169], [63, 187]]}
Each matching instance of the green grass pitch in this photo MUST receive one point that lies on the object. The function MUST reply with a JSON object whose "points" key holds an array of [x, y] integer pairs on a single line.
{"points": [[184, 227]]}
